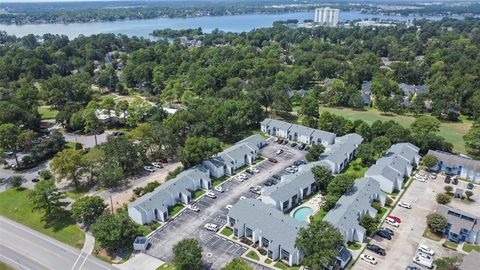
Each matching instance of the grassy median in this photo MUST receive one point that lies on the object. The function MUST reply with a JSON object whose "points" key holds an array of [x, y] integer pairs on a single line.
{"points": [[15, 205]]}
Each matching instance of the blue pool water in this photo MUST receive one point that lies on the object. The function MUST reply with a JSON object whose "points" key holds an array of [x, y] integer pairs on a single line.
{"points": [[302, 213]]}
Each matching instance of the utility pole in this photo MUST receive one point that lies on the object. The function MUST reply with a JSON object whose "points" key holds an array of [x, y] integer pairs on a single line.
{"points": [[111, 204]]}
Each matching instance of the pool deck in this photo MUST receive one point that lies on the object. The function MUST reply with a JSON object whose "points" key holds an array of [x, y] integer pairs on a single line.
{"points": [[313, 203]]}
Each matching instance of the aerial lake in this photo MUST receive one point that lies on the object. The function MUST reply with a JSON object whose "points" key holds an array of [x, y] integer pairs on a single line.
{"points": [[143, 28]]}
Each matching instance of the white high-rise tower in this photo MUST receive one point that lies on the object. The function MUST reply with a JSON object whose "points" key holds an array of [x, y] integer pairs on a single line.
{"points": [[327, 16]]}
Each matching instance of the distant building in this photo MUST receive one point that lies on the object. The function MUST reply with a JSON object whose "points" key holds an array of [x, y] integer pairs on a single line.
{"points": [[108, 116], [267, 227], [354, 204], [462, 166], [296, 133], [327, 16], [391, 170], [462, 227]]}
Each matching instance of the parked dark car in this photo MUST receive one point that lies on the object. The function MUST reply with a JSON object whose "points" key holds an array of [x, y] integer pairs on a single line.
{"points": [[276, 176], [285, 142], [384, 234], [307, 148], [118, 133], [376, 249], [448, 180], [268, 183], [272, 160], [455, 181], [280, 141], [293, 144], [470, 186], [302, 146], [301, 161], [34, 180], [410, 267], [249, 171], [296, 163], [387, 230]]}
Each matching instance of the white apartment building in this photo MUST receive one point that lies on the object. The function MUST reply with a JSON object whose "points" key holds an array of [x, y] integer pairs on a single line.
{"points": [[327, 16]]}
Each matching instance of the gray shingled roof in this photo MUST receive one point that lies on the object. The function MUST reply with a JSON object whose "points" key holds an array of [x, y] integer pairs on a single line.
{"points": [[458, 223], [282, 125], [253, 140], [300, 130], [346, 213], [406, 150], [265, 121], [343, 147], [324, 135], [451, 160], [273, 224], [394, 161], [290, 185]]}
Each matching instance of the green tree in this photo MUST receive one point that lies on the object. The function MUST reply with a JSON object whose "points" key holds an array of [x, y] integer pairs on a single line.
{"points": [[446, 263], [125, 154], [469, 194], [187, 255], [237, 264], [110, 175], [309, 109], [329, 201], [436, 222], [381, 145], [9, 139], [92, 124], [16, 181], [320, 243], [323, 176], [369, 223], [448, 189], [443, 198], [197, 149], [114, 231], [429, 161], [385, 105], [472, 139], [366, 153], [68, 165], [87, 209], [425, 125], [314, 152], [47, 198], [341, 183]]}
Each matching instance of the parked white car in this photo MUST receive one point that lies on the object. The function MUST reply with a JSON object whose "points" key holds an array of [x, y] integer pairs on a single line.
{"points": [[279, 151], [433, 175], [243, 198], [229, 206], [243, 176], [211, 227], [391, 221], [193, 207], [368, 258], [255, 170], [219, 189], [425, 256], [211, 194], [423, 262], [405, 205], [239, 179], [425, 249], [421, 179], [157, 165], [149, 168]]}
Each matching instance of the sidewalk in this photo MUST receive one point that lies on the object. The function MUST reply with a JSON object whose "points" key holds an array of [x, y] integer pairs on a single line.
{"points": [[89, 243], [140, 261]]}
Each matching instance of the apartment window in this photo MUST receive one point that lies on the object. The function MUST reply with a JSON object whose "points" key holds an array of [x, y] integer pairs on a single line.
{"points": [[248, 232], [285, 255], [305, 192], [232, 221], [270, 254], [294, 199], [285, 205], [265, 242]]}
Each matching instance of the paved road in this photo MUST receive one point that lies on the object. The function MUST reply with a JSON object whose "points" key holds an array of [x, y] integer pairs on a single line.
{"points": [[24, 248]]}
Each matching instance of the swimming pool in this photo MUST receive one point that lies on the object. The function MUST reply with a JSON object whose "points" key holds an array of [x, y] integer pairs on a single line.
{"points": [[302, 213]]}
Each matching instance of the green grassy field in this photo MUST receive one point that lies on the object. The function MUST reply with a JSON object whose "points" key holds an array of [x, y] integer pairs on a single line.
{"points": [[357, 168], [4, 266], [253, 255], [452, 131], [15, 205], [47, 113]]}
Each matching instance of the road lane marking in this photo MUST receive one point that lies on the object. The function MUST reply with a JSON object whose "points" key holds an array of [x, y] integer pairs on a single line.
{"points": [[15, 262], [78, 258], [23, 255], [26, 240], [81, 266]]}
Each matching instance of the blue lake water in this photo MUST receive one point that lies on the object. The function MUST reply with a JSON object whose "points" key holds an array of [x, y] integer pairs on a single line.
{"points": [[143, 28]]}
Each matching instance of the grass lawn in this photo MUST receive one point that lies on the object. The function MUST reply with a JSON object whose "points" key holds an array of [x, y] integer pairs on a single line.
{"points": [[452, 131], [449, 244], [267, 261], [219, 181], [198, 193], [47, 113], [226, 231], [172, 211], [253, 255], [283, 266], [15, 205], [431, 235], [241, 169], [77, 194], [319, 215], [381, 212], [4, 266], [469, 247], [354, 245], [357, 168]]}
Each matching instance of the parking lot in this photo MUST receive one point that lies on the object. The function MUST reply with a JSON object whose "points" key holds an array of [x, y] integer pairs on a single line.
{"points": [[218, 251], [401, 249]]}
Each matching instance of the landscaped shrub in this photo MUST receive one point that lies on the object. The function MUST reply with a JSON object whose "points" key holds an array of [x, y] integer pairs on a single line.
{"points": [[262, 251]]}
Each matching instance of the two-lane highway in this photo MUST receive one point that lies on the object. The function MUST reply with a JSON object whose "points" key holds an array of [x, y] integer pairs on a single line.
{"points": [[25, 248]]}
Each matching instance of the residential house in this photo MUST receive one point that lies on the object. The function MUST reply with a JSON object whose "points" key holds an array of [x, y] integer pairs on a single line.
{"points": [[367, 92], [154, 205], [291, 190], [108, 116], [342, 152], [297, 133], [354, 204], [342, 259], [397, 164], [411, 91], [302, 92], [268, 227], [242, 153], [460, 165], [462, 227]]}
